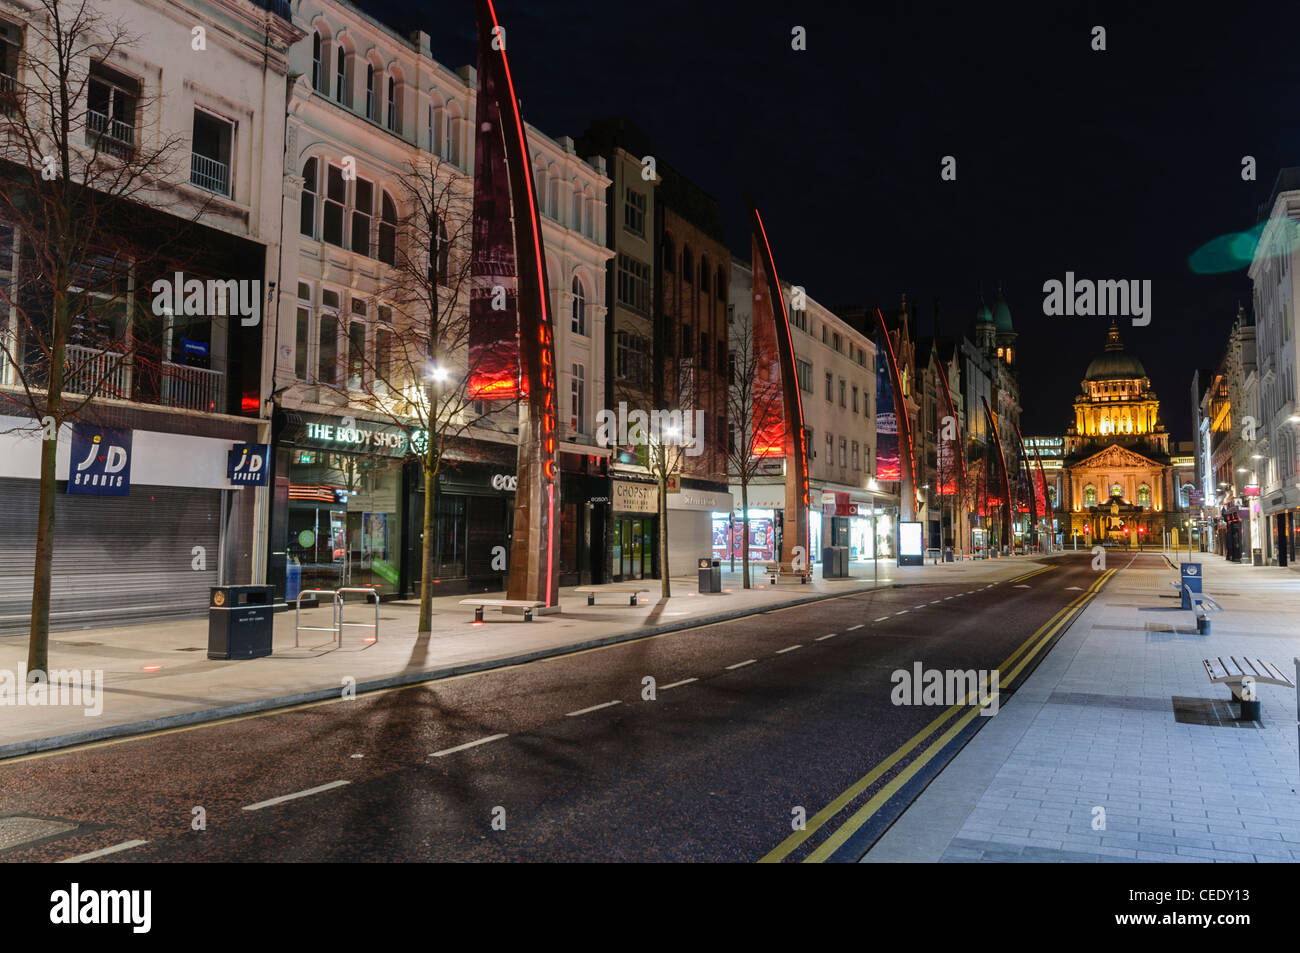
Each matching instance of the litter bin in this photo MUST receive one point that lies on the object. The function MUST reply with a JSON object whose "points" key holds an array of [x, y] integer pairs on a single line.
{"points": [[835, 562], [240, 622], [1259, 556], [948, 554], [710, 574]]}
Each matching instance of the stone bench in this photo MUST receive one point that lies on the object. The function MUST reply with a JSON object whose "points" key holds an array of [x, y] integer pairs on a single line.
{"points": [[593, 591], [527, 605]]}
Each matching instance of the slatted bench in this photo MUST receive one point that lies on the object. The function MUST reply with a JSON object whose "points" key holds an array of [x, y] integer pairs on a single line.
{"points": [[593, 591], [1238, 671], [527, 605], [773, 572], [1202, 606]]}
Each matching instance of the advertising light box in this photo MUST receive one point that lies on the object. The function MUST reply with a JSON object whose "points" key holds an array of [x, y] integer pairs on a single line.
{"points": [[911, 550]]}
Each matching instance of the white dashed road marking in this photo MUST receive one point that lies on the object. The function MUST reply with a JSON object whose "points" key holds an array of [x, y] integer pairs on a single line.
{"points": [[584, 711], [104, 851], [851, 628], [788, 648], [290, 797], [684, 681], [469, 744], [742, 664]]}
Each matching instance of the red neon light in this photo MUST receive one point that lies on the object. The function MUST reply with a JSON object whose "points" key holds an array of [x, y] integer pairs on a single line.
{"points": [[898, 387]]}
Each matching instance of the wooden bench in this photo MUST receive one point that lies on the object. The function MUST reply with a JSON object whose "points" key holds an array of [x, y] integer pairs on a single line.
{"points": [[773, 572], [525, 604], [1233, 670], [593, 591]]}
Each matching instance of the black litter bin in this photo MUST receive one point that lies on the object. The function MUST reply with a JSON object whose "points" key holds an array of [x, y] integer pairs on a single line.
{"points": [[710, 575], [948, 554], [835, 562], [240, 622]]}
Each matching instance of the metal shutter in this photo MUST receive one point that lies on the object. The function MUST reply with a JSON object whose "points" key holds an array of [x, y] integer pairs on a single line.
{"points": [[117, 560]]}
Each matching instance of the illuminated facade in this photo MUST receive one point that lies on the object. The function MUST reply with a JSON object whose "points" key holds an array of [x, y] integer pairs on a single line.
{"points": [[1117, 475]]}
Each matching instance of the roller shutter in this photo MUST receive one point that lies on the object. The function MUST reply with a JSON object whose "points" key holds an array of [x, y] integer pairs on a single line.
{"points": [[117, 560]]}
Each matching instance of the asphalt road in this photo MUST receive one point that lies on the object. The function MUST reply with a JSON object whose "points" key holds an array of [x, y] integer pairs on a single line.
{"points": [[752, 723]]}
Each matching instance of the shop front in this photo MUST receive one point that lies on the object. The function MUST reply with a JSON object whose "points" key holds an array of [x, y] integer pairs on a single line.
{"points": [[634, 530], [693, 530], [584, 519], [147, 521]]}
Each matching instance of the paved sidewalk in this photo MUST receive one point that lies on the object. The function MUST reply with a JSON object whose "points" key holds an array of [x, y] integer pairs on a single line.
{"points": [[1108, 720], [158, 676]]}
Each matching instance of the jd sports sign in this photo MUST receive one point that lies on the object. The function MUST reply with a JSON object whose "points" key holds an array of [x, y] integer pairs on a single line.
{"points": [[246, 464], [100, 462]]}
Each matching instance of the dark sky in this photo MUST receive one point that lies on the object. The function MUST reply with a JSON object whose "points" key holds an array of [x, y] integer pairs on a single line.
{"points": [[1115, 164]]}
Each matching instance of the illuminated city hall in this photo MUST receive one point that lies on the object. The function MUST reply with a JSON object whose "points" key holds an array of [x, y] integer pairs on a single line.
{"points": [[1117, 478]]}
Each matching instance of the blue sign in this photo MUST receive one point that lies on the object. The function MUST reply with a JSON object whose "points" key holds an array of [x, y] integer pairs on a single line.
{"points": [[246, 464], [100, 463], [194, 347], [1191, 578]]}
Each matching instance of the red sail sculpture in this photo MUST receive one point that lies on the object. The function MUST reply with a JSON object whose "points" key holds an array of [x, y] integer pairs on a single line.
{"points": [[1029, 485], [1006, 481], [959, 450], [1048, 509], [774, 348], [534, 547], [907, 486]]}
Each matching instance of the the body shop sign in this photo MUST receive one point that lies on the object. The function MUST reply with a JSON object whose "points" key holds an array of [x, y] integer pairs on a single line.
{"points": [[362, 437], [100, 462]]}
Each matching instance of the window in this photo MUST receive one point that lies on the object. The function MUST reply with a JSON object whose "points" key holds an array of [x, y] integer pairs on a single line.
{"points": [[722, 357], [577, 399], [302, 340], [388, 231], [212, 139], [383, 359], [844, 452], [799, 318], [855, 398], [575, 209], [394, 115], [803, 371], [341, 77], [835, 341], [453, 134], [843, 403], [688, 344], [1144, 496], [704, 274], [830, 449], [634, 211], [372, 102], [10, 47], [670, 255], [633, 284], [856, 461], [357, 374], [363, 207], [704, 350], [336, 191], [317, 62], [579, 323], [688, 264], [327, 351], [830, 386], [1089, 495], [438, 254], [307, 203], [720, 286], [823, 334], [111, 103], [1116, 490]]}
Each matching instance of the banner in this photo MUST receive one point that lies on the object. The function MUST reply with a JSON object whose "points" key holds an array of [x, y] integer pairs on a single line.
{"points": [[100, 462]]}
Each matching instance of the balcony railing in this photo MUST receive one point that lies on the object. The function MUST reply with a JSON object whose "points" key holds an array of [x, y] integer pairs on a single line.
{"points": [[96, 373], [114, 137], [210, 174], [194, 388]]}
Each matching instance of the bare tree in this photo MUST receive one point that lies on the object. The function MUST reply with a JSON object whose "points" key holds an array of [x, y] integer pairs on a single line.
{"points": [[755, 410], [418, 373], [77, 178]]}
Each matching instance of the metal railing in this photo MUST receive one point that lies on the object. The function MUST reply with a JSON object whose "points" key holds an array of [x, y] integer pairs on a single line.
{"points": [[194, 388], [210, 174], [96, 372], [113, 136], [334, 607], [358, 625]]}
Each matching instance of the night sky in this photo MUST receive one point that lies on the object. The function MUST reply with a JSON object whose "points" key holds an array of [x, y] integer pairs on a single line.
{"points": [[1115, 164]]}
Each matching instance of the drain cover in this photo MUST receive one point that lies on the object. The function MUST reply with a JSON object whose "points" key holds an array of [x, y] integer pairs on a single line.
{"points": [[21, 829]]}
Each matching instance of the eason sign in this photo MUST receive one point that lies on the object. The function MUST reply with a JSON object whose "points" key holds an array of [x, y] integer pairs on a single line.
{"points": [[100, 463], [246, 464]]}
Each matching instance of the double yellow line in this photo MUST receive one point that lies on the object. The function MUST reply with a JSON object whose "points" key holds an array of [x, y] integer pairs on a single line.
{"points": [[1007, 672]]}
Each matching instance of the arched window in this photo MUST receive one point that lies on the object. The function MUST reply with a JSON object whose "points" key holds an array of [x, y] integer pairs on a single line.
{"points": [[317, 62], [437, 122], [372, 100], [688, 264], [1089, 495], [307, 202], [704, 274], [670, 254], [553, 194], [439, 251], [1116, 490], [341, 75], [453, 134], [575, 222], [720, 286], [579, 325], [1144, 495], [388, 230], [393, 118]]}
